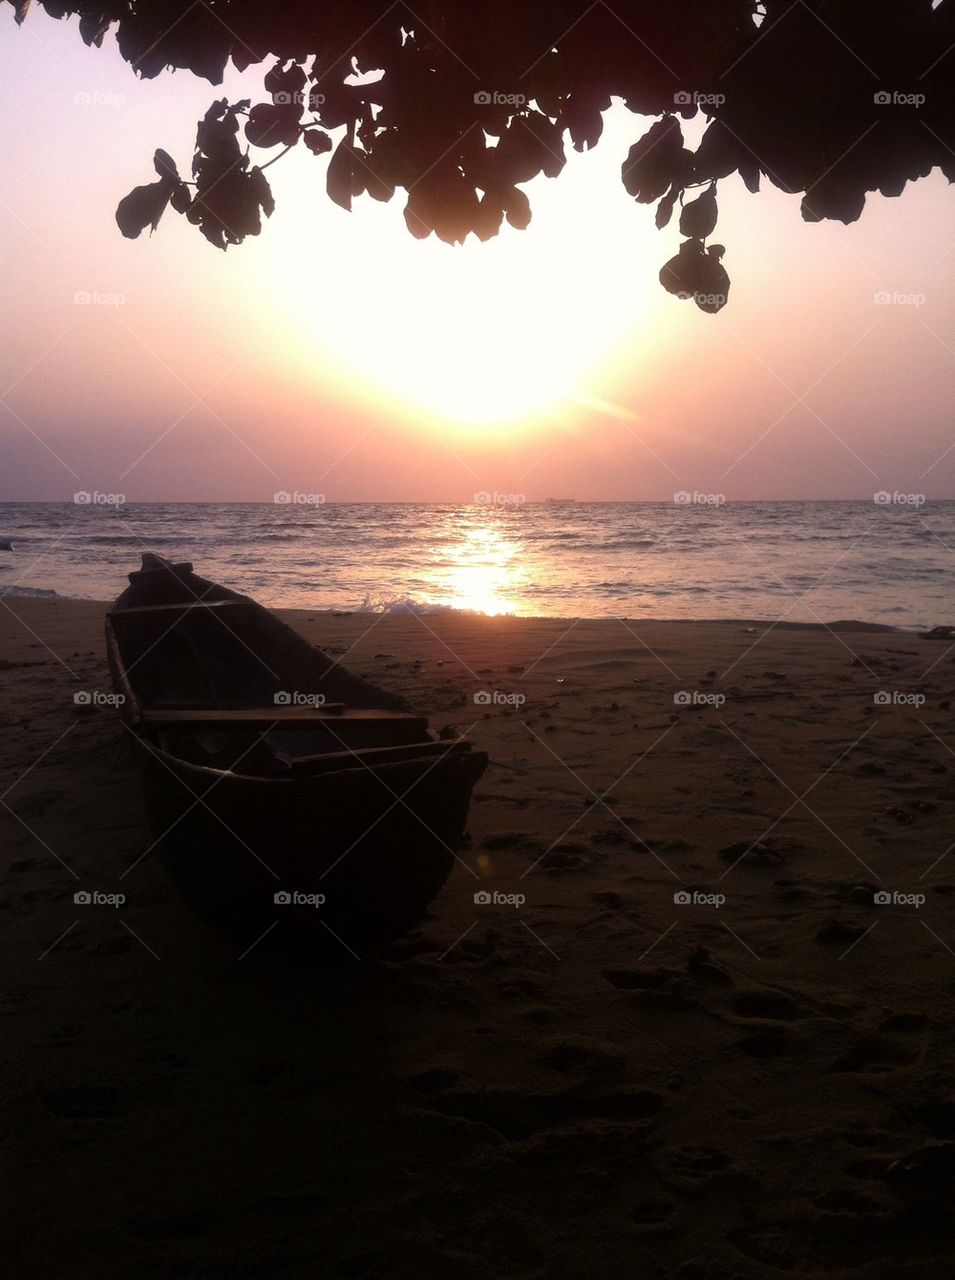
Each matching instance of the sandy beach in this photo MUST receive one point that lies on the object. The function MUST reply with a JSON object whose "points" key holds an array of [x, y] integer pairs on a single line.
{"points": [[601, 1079]]}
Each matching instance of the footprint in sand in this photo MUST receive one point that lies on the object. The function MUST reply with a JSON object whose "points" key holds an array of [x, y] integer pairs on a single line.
{"points": [[847, 1200], [691, 1165], [654, 1216], [668, 990], [24, 864], [899, 1041], [765, 1004], [763, 1044]]}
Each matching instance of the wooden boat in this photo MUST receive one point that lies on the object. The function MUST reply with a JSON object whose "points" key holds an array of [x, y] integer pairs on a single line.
{"points": [[283, 791]]}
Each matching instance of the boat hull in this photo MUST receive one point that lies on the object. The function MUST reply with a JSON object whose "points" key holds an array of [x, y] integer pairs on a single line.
{"points": [[347, 860], [331, 828]]}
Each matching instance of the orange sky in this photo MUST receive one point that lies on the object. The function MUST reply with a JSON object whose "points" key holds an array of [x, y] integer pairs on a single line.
{"points": [[336, 354]]}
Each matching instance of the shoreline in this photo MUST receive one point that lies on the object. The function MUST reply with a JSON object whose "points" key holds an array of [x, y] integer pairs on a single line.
{"points": [[296, 610]]}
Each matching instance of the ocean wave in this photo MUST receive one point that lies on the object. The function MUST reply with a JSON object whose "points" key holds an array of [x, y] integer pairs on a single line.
{"points": [[408, 606], [39, 593], [632, 544]]}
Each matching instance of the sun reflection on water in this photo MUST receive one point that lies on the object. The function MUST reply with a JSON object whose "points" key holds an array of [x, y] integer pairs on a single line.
{"points": [[479, 566]]}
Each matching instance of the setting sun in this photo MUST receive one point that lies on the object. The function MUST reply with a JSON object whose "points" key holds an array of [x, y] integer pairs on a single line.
{"points": [[477, 334]]}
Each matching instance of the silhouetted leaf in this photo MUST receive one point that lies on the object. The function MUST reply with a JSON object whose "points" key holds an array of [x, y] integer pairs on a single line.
{"points": [[284, 85], [216, 133], [338, 179], [317, 141], [269, 125], [181, 197], [699, 216], [93, 27], [143, 208], [261, 191], [165, 166], [655, 162], [665, 209], [712, 285], [582, 115], [517, 208], [832, 200]]}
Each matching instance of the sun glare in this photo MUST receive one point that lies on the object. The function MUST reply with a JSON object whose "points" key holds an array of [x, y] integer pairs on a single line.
{"points": [[494, 334]]}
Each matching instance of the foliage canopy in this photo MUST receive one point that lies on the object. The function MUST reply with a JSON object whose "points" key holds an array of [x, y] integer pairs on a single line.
{"points": [[457, 104]]}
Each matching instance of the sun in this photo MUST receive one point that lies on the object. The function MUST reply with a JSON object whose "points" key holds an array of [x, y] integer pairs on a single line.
{"points": [[490, 335]]}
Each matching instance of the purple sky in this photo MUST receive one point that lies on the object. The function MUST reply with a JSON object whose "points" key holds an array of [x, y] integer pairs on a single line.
{"points": [[337, 354]]}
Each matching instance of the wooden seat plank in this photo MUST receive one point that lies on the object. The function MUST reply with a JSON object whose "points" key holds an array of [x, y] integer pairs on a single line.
{"points": [[181, 607], [281, 718], [370, 756]]}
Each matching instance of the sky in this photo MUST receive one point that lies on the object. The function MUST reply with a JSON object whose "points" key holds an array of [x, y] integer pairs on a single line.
{"points": [[337, 355]]}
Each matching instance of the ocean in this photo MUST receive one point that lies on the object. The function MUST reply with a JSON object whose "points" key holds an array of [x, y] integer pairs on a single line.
{"points": [[796, 561]]}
